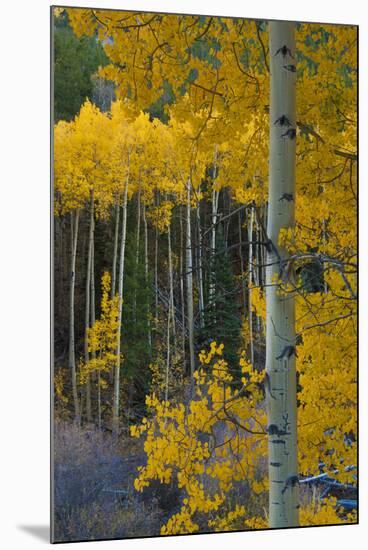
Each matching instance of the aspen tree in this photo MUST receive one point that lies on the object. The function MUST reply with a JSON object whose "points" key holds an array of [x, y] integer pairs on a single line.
{"points": [[171, 312], [280, 321], [146, 272], [243, 286], [116, 244], [116, 395], [88, 305], [200, 266], [215, 200], [250, 282], [72, 366], [182, 267], [189, 281]]}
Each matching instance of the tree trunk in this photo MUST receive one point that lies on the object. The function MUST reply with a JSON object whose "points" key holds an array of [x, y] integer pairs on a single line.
{"points": [[182, 283], [189, 279], [116, 396], [212, 286], [93, 298], [280, 321], [146, 273], [167, 359], [88, 302], [215, 199], [74, 239], [156, 280], [99, 412], [200, 268], [241, 263], [138, 235], [250, 282], [171, 285], [115, 256]]}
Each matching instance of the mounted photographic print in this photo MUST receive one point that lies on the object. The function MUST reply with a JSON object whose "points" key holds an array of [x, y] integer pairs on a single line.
{"points": [[204, 264]]}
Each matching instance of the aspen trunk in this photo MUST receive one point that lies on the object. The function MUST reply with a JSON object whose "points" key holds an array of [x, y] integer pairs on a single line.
{"points": [[182, 284], [171, 285], [215, 199], [115, 256], [116, 396], [241, 263], [250, 282], [99, 412], [189, 280], [167, 359], [87, 311], [280, 321], [200, 268], [212, 286], [74, 239], [156, 279], [138, 235], [93, 298], [146, 271]]}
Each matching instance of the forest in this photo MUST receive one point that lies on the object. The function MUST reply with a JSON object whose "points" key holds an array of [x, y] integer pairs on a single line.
{"points": [[204, 274]]}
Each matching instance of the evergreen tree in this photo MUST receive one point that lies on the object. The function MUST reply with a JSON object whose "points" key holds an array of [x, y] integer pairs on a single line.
{"points": [[76, 60], [222, 319], [135, 319]]}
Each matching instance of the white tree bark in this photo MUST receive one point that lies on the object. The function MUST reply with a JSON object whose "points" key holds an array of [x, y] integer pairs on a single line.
{"points": [[171, 285], [182, 283], [116, 396], [189, 281], [241, 264], [74, 238], [146, 271], [250, 282], [115, 256], [138, 235], [200, 268], [215, 199], [156, 280], [88, 302], [167, 359], [93, 302], [280, 321]]}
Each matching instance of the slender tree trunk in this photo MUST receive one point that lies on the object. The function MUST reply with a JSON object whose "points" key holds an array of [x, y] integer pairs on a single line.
{"points": [[116, 396], [200, 268], [212, 286], [138, 234], [258, 267], [93, 298], [156, 279], [189, 280], [182, 283], [146, 273], [280, 322], [99, 412], [72, 366], [115, 256], [167, 359], [88, 302], [215, 199], [264, 252], [250, 282], [171, 286], [242, 263]]}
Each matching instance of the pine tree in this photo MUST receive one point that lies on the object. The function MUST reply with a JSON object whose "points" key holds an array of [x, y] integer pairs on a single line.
{"points": [[137, 299], [222, 320], [76, 61]]}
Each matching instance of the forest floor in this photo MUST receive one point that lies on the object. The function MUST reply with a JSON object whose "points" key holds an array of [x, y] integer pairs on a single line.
{"points": [[94, 489]]}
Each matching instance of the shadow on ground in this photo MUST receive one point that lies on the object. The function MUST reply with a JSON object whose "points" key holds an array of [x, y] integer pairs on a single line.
{"points": [[41, 532]]}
